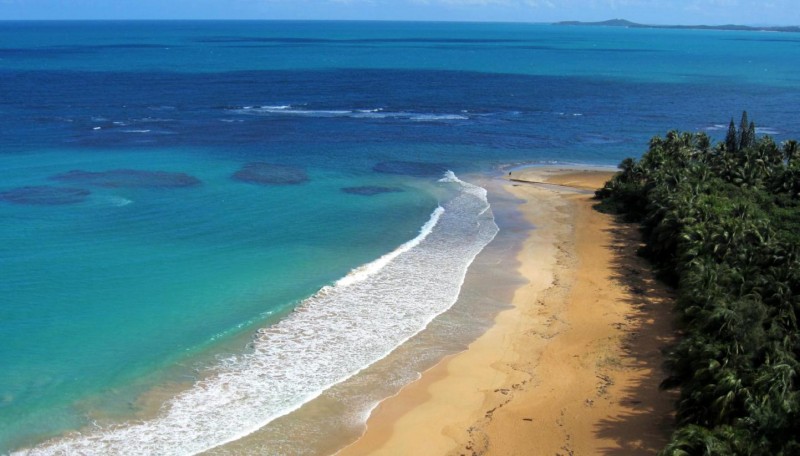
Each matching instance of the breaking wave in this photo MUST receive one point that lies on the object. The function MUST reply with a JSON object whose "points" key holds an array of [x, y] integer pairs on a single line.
{"points": [[379, 113]]}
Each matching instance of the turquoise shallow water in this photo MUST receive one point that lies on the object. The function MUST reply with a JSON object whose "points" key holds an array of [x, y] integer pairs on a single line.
{"points": [[132, 280], [104, 296]]}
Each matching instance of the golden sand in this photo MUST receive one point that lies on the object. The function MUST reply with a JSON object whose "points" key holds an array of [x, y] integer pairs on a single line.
{"points": [[572, 367]]}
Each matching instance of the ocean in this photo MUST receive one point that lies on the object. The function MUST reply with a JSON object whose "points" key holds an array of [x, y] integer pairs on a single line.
{"points": [[207, 226]]}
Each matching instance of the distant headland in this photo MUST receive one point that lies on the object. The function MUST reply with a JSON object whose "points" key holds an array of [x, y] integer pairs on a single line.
{"points": [[629, 24]]}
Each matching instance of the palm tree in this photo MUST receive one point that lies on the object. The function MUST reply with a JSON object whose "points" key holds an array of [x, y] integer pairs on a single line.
{"points": [[791, 153], [724, 222], [731, 139]]}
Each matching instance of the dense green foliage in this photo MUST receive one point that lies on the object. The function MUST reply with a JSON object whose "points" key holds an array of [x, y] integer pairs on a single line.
{"points": [[722, 223]]}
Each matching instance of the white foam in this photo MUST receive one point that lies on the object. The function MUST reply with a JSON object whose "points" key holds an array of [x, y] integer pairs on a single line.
{"points": [[479, 192], [289, 110], [330, 337], [362, 272], [450, 176], [377, 113], [759, 130], [437, 117], [119, 201]]}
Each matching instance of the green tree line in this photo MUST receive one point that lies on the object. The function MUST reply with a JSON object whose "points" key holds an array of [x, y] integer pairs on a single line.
{"points": [[721, 222]]}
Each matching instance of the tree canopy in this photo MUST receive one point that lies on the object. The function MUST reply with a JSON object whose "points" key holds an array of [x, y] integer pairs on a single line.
{"points": [[722, 223]]}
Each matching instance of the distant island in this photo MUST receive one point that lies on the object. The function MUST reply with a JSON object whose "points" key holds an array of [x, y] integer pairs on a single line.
{"points": [[629, 24]]}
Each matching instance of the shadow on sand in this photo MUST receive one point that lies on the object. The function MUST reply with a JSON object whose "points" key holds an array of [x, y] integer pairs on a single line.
{"points": [[645, 425]]}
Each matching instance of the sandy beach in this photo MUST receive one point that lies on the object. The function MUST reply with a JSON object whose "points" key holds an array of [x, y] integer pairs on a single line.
{"points": [[572, 367]]}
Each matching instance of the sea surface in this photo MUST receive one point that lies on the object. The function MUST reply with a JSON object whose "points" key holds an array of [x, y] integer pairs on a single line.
{"points": [[206, 225]]}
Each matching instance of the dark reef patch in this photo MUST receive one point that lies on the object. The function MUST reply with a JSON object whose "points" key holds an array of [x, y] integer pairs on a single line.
{"points": [[44, 195], [417, 169], [128, 178], [370, 190], [268, 174]]}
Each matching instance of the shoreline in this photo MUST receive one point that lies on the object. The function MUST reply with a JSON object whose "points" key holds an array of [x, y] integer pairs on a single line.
{"points": [[572, 367], [339, 412]]}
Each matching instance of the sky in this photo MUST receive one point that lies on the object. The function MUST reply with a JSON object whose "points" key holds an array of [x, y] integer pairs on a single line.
{"points": [[686, 12]]}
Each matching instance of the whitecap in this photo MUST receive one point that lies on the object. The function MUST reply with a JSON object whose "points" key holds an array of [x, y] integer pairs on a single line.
{"points": [[376, 113], [437, 117], [364, 271], [119, 201]]}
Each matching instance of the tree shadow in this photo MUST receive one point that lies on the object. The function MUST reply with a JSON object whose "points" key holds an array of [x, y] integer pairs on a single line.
{"points": [[645, 425]]}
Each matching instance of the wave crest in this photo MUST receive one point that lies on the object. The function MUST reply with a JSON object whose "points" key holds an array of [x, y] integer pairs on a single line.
{"points": [[364, 271], [378, 113]]}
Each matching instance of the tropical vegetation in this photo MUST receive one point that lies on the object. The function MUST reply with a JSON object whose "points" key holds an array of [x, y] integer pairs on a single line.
{"points": [[721, 222]]}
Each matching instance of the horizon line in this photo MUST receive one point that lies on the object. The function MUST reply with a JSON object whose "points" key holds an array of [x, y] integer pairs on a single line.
{"points": [[453, 21], [406, 21]]}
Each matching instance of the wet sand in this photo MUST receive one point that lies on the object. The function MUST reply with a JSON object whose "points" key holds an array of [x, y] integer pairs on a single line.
{"points": [[572, 367]]}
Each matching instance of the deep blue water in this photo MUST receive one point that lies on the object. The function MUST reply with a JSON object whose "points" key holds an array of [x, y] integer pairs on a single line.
{"points": [[102, 297]]}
